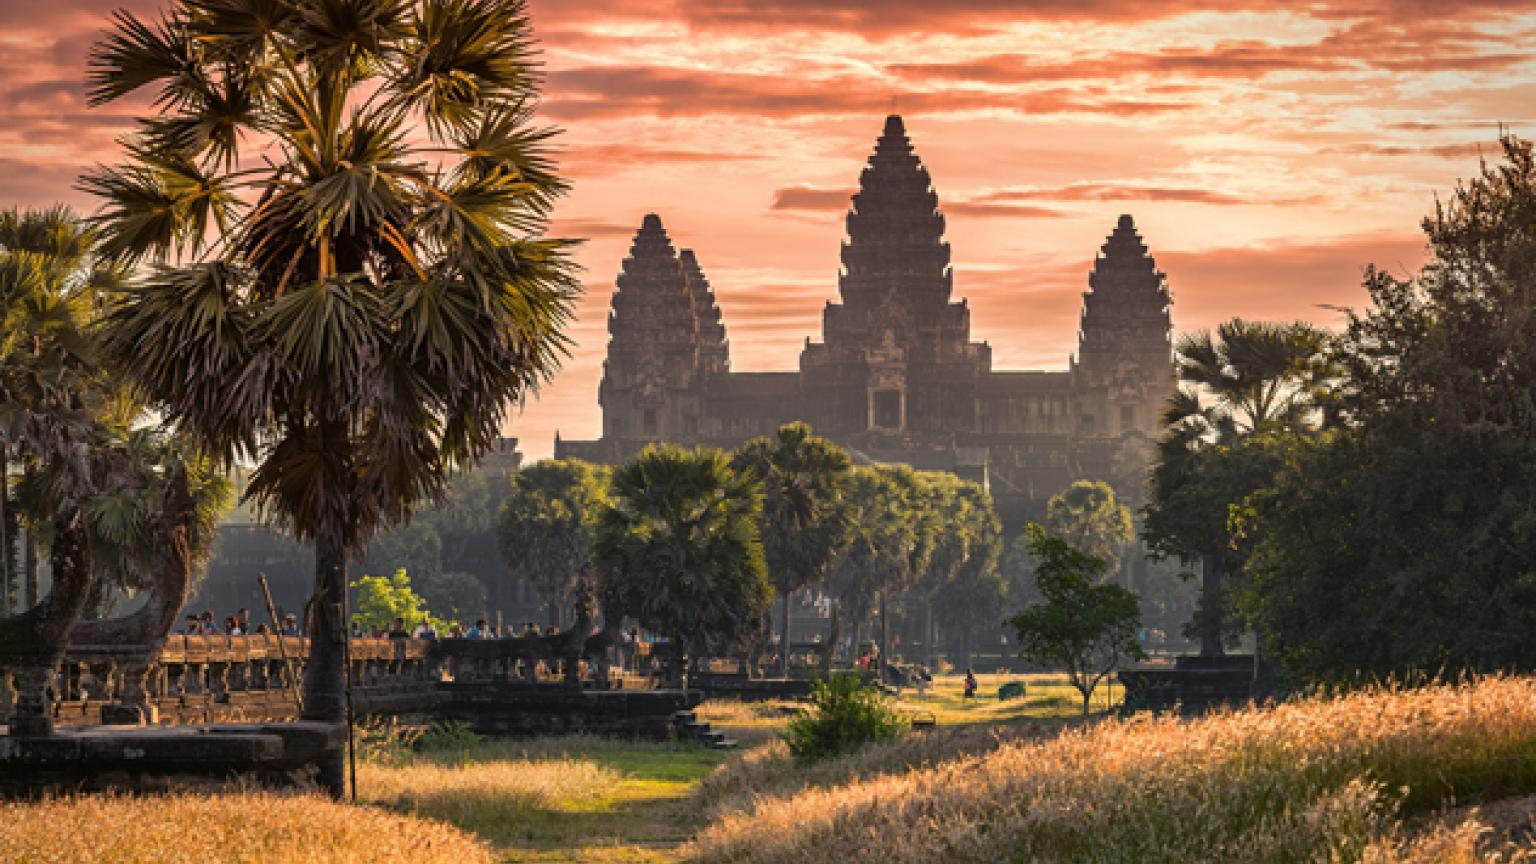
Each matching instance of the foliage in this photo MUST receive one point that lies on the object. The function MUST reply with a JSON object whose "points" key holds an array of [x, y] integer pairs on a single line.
{"points": [[1086, 628], [456, 596], [1087, 516], [546, 524], [893, 541], [1249, 379], [1404, 541], [679, 548], [805, 522], [1312, 780], [976, 592], [845, 713], [337, 209], [382, 599]]}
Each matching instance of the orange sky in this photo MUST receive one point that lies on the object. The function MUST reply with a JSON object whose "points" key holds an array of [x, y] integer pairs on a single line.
{"points": [[1268, 150]]}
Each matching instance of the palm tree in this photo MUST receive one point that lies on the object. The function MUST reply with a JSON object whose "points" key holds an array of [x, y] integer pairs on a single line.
{"points": [[895, 528], [545, 528], [680, 549], [51, 389], [805, 524], [977, 590], [1089, 517], [1249, 379], [337, 206]]}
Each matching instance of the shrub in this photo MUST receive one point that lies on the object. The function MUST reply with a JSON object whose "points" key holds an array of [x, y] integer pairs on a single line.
{"points": [[846, 713]]}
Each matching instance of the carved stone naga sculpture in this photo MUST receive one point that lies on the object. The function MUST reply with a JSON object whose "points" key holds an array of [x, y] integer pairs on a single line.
{"points": [[133, 642], [32, 643]]}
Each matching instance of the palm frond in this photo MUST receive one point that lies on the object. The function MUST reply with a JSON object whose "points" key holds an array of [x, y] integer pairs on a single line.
{"points": [[138, 54]]}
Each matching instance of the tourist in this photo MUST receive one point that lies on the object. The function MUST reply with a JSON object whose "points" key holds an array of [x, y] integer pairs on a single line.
{"points": [[920, 679], [481, 630], [243, 618], [290, 625], [263, 630], [194, 626], [210, 625], [357, 630], [232, 626], [399, 631], [425, 630], [970, 684]]}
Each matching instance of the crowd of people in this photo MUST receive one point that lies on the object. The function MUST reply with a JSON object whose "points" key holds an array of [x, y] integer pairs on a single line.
{"points": [[238, 624]]}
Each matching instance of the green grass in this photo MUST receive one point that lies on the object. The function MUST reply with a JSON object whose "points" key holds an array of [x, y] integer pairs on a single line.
{"points": [[605, 800]]}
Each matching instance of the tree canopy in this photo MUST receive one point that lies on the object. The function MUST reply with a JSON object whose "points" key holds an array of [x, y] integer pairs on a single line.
{"points": [[1402, 541], [1086, 628], [680, 550], [349, 306], [546, 524]]}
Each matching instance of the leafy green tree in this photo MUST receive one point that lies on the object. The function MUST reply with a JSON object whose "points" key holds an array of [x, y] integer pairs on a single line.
{"points": [[1087, 515], [1250, 378], [348, 305], [805, 524], [414, 547], [382, 599], [546, 525], [1086, 628], [456, 596], [1402, 542], [680, 549]]}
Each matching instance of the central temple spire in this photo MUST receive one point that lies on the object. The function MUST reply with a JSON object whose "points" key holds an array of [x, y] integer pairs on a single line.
{"points": [[896, 248]]}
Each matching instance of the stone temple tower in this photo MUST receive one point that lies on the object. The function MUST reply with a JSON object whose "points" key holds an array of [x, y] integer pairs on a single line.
{"points": [[1123, 371], [650, 387], [714, 348], [897, 357]]}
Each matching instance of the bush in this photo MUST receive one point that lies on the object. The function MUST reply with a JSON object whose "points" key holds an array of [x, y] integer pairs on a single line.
{"points": [[845, 714]]}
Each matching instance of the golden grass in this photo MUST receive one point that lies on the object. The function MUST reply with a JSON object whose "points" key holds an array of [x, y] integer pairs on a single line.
{"points": [[237, 827], [1315, 780], [769, 771]]}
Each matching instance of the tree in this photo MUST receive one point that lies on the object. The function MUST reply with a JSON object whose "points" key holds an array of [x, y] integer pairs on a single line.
{"points": [[382, 599], [894, 535], [1086, 628], [349, 307], [1401, 542], [1087, 515], [53, 392], [805, 524], [975, 596], [1251, 378], [457, 596], [546, 525], [680, 549]]}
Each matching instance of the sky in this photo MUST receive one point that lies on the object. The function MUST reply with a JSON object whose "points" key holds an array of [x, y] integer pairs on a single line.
{"points": [[1268, 151]]}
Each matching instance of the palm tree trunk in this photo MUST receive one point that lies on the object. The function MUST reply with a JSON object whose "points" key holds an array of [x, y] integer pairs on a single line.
{"points": [[325, 696], [32, 571], [784, 633], [1210, 606], [835, 637], [928, 632], [885, 637]]}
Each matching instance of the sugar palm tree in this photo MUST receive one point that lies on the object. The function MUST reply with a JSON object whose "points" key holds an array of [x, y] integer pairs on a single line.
{"points": [[337, 208], [805, 523], [1247, 379], [545, 526], [681, 551], [51, 389]]}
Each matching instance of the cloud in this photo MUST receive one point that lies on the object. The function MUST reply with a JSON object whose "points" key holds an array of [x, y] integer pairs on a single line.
{"points": [[813, 198], [1124, 192], [587, 228]]}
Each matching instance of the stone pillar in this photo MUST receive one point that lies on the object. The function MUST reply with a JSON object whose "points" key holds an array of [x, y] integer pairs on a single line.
{"points": [[33, 714]]}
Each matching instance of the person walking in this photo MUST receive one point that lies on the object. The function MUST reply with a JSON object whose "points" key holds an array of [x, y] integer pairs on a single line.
{"points": [[970, 684]]}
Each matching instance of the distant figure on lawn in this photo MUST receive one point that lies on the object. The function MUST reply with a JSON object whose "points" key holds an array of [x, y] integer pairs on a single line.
{"points": [[970, 684]]}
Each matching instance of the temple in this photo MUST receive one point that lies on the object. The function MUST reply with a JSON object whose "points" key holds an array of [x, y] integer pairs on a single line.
{"points": [[896, 377]]}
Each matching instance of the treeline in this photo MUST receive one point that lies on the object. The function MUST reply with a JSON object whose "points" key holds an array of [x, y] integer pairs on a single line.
{"points": [[1365, 502]]}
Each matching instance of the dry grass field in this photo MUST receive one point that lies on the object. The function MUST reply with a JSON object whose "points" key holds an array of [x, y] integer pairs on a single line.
{"points": [[1319, 780], [1408, 777]]}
